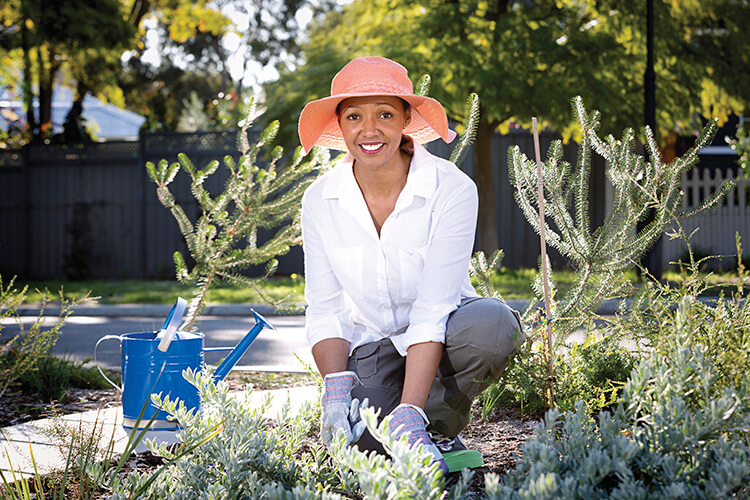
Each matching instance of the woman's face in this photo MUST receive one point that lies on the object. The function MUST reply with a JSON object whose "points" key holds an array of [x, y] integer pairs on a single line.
{"points": [[372, 128]]}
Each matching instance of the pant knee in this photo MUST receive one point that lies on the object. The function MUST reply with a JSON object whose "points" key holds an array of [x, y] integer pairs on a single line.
{"points": [[487, 325]]}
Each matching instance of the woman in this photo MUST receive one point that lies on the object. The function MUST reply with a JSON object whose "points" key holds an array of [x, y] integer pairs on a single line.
{"points": [[388, 234]]}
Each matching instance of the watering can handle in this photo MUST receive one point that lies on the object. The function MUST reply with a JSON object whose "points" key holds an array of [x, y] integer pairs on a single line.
{"points": [[167, 332], [106, 337]]}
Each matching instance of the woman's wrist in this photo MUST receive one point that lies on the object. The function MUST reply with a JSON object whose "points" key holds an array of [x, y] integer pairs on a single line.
{"points": [[331, 356]]}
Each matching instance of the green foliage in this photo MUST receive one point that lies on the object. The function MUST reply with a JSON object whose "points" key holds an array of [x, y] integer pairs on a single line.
{"points": [[166, 292], [223, 241], [51, 378], [740, 143], [672, 435], [721, 325], [471, 122], [482, 272], [591, 373], [600, 257], [78, 41], [246, 457], [22, 353]]}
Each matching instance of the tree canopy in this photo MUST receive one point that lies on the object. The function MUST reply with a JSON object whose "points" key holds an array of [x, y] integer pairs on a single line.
{"points": [[81, 43], [530, 59], [81, 38]]}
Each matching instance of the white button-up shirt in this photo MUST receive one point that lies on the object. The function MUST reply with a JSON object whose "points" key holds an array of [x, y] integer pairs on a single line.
{"points": [[403, 284]]}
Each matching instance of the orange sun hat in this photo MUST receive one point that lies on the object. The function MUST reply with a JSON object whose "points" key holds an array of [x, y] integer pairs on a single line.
{"points": [[367, 76]]}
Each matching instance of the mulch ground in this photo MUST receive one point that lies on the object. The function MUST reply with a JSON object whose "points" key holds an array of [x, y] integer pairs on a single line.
{"points": [[499, 437]]}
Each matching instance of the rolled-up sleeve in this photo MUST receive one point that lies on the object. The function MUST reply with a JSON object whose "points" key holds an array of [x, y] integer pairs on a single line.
{"points": [[446, 262], [327, 314]]}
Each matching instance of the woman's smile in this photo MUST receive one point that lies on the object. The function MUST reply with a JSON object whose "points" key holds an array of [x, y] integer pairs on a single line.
{"points": [[372, 148]]}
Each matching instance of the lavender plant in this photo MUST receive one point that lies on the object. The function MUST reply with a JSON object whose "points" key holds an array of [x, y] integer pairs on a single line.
{"points": [[252, 457]]}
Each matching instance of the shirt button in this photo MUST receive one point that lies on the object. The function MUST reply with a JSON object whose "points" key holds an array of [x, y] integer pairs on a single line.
{"points": [[386, 306]]}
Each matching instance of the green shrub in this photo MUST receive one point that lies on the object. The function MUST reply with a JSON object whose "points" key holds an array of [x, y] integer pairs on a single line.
{"points": [[592, 372], [672, 435], [51, 377], [246, 457], [722, 325], [83, 377], [32, 344]]}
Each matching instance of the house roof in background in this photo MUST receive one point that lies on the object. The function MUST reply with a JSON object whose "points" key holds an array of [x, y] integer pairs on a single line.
{"points": [[105, 120]]}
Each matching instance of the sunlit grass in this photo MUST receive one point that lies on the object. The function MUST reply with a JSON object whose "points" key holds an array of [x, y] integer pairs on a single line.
{"points": [[511, 283], [162, 292]]}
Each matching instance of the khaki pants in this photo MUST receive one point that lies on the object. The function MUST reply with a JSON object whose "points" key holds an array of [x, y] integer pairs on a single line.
{"points": [[480, 337]]}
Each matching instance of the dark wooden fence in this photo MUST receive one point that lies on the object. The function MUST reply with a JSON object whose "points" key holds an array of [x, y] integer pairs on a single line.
{"points": [[91, 211]]}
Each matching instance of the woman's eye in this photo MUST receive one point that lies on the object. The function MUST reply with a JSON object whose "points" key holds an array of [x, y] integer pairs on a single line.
{"points": [[352, 116], [386, 114]]}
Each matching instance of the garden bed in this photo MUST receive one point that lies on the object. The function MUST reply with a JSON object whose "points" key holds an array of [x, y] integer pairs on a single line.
{"points": [[499, 437]]}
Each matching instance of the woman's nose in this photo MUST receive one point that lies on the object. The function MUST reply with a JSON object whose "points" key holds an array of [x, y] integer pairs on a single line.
{"points": [[369, 125]]}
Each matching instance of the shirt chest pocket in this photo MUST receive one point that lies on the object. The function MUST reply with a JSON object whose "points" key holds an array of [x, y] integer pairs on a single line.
{"points": [[347, 265], [411, 263]]}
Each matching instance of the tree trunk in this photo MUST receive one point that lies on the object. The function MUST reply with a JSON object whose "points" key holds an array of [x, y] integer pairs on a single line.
{"points": [[73, 129], [483, 176], [48, 69], [45, 93], [139, 9], [28, 92]]}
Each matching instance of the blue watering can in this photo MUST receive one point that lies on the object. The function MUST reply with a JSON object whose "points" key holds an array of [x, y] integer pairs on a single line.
{"points": [[153, 362]]}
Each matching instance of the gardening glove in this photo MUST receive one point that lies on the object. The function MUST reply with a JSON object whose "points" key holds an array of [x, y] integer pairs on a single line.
{"points": [[338, 410], [411, 420]]}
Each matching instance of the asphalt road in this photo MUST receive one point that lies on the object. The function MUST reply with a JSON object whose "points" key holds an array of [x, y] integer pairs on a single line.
{"points": [[275, 350]]}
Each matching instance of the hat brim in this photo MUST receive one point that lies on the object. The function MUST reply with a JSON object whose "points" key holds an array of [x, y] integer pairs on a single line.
{"points": [[319, 126]]}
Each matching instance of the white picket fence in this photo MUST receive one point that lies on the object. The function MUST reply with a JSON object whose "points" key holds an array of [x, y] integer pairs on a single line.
{"points": [[716, 228]]}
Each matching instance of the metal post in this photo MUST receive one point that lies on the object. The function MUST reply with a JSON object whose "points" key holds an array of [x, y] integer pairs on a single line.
{"points": [[654, 257]]}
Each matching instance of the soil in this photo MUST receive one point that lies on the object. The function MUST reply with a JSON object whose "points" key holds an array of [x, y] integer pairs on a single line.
{"points": [[498, 437]]}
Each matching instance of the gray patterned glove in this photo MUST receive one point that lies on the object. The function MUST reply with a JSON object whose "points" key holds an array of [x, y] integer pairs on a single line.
{"points": [[411, 420], [338, 410]]}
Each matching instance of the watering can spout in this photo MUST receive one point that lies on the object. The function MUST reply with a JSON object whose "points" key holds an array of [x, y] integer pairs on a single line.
{"points": [[237, 352]]}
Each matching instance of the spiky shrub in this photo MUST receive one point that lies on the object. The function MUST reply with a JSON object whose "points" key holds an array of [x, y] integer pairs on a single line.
{"points": [[740, 143], [223, 241], [599, 256], [469, 125], [672, 435]]}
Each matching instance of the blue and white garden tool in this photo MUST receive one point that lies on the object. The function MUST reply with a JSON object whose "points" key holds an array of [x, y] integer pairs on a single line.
{"points": [[147, 369]]}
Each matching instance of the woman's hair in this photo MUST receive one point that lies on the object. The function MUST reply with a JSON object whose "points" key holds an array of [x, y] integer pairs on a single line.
{"points": [[406, 104]]}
